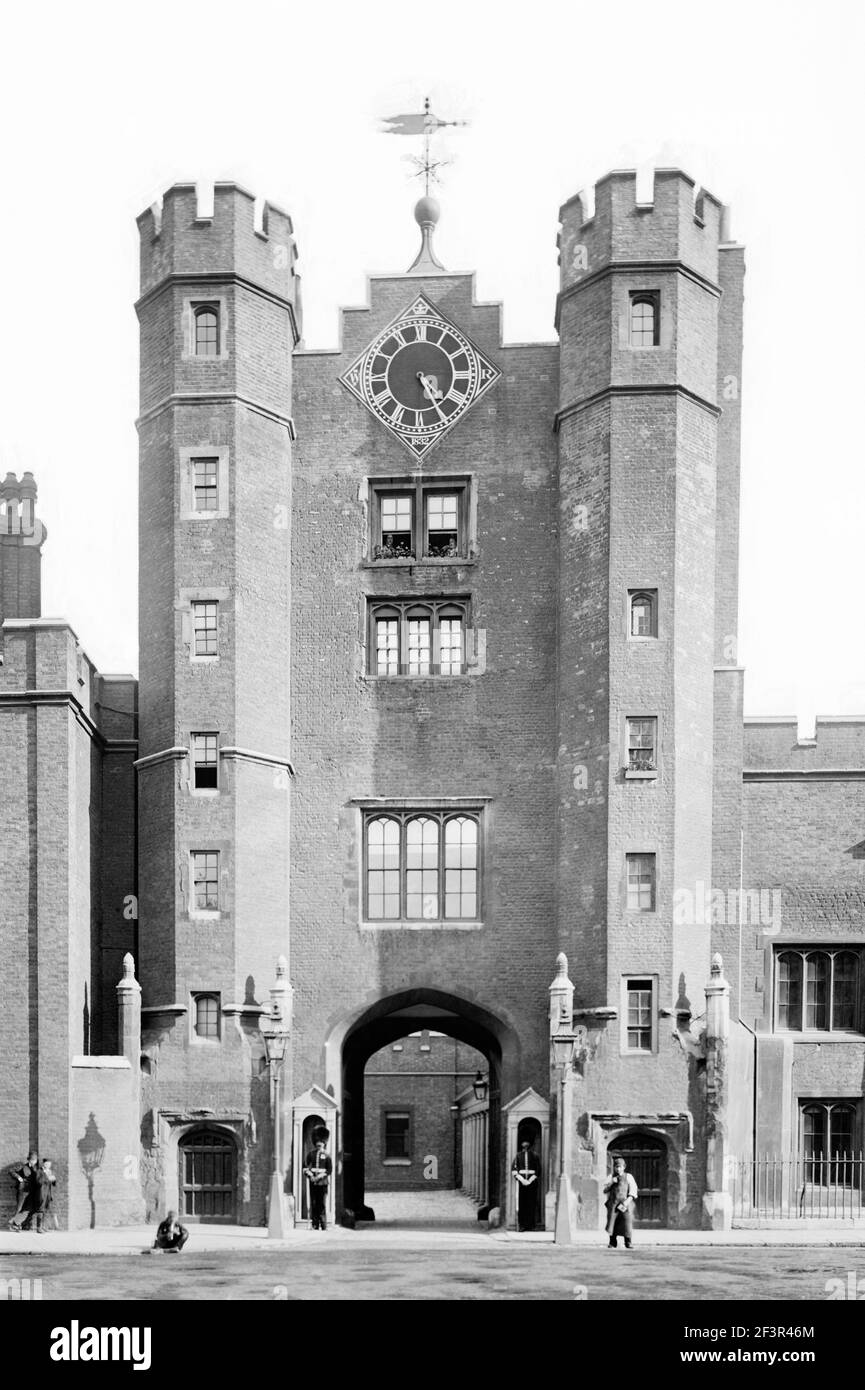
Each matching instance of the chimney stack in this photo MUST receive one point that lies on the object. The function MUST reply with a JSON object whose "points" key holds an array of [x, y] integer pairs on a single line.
{"points": [[21, 538]]}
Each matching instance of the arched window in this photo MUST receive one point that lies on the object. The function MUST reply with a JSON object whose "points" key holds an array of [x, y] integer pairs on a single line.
{"points": [[789, 990], [417, 639], [461, 867], [421, 866], [828, 1135], [383, 869], [206, 319], [386, 639], [422, 869], [451, 625], [643, 608], [644, 320], [817, 991]]}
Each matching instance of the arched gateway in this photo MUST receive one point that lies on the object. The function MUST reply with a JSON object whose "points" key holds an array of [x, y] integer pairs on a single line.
{"points": [[356, 1039]]}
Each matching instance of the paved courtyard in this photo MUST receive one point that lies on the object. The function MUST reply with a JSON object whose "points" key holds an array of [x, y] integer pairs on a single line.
{"points": [[430, 1246], [481, 1269]]}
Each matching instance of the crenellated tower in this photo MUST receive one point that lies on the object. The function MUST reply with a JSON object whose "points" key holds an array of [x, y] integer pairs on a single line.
{"points": [[219, 319], [649, 315]]}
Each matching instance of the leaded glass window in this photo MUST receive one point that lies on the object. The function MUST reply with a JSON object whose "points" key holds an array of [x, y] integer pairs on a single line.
{"points": [[421, 866]]}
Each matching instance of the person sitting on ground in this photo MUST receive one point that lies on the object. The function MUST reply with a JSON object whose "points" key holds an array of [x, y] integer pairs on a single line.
{"points": [[170, 1235], [26, 1192]]}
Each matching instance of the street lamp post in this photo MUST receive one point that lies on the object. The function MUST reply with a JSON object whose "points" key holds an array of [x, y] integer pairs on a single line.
{"points": [[564, 1047], [276, 1031]]}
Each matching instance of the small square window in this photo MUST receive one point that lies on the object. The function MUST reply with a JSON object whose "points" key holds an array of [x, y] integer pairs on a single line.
{"points": [[205, 628], [206, 1016], [641, 882], [205, 762], [205, 880]]}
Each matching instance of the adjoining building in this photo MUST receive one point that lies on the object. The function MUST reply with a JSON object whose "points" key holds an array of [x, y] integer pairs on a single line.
{"points": [[438, 685]]}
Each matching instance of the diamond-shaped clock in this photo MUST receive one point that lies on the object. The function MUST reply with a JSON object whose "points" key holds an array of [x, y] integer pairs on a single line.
{"points": [[420, 376]]}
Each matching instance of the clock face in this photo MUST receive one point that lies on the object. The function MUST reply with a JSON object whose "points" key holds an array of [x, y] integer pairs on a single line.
{"points": [[420, 375]]}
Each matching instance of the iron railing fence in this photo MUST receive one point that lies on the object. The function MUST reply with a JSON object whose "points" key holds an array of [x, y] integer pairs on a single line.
{"points": [[824, 1187]]}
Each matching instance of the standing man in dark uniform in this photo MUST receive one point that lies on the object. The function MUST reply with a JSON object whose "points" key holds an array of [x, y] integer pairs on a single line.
{"points": [[318, 1168], [526, 1169]]}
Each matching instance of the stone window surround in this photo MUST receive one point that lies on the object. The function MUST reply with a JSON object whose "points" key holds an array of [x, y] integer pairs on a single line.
{"points": [[196, 1038], [631, 774], [640, 848], [624, 1049], [186, 460], [208, 844], [795, 942], [626, 290], [431, 604], [359, 808], [839, 1095], [185, 600], [200, 301], [632, 592], [418, 484]]}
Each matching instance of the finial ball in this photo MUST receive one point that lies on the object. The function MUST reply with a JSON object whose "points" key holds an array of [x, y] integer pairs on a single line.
{"points": [[427, 211]]}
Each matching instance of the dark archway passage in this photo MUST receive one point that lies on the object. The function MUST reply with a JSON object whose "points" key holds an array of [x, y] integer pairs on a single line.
{"points": [[385, 1022]]}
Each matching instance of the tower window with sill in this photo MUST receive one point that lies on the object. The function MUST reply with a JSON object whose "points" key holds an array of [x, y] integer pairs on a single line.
{"points": [[645, 319], [206, 330], [643, 612], [205, 762]]}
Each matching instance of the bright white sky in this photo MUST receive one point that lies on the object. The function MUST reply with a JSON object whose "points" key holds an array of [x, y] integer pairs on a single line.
{"points": [[104, 105]]}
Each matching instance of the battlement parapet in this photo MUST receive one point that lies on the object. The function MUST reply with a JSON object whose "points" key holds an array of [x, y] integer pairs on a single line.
{"points": [[775, 744], [678, 222], [181, 237]]}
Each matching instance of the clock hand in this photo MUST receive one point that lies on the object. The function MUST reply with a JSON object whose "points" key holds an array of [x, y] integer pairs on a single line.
{"points": [[431, 395]]}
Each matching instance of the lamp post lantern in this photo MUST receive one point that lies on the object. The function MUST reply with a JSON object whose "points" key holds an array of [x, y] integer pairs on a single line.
{"points": [[276, 1031]]}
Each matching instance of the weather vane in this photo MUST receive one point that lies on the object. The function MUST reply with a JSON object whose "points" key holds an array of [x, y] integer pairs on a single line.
{"points": [[423, 123]]}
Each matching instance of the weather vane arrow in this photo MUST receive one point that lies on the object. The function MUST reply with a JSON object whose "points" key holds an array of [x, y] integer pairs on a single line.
{"points": [[424, 123]]}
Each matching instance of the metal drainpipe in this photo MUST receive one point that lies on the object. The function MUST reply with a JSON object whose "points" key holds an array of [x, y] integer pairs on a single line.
{"points": [[741, 1020]]}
